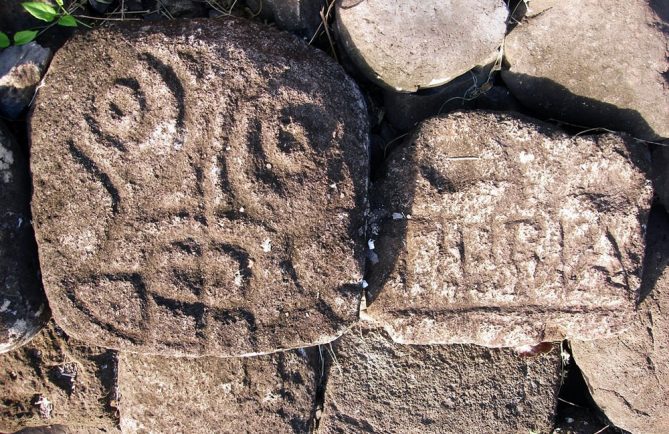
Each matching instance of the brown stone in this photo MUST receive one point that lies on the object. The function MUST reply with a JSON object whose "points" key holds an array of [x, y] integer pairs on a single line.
{"points": [[375, 385], [500, 230], [410, 45], [23, 306], [628, 375], [57, 380], [205, 191], [266, 394], [598, 63]]}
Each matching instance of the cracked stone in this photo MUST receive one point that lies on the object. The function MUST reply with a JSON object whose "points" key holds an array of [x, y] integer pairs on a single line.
{"points": [[519, 233], [628, 375]]}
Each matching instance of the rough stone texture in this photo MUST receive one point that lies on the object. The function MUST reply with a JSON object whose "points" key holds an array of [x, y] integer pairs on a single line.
{"points": [[21, 69], [407, 45], [517, 233], [473, 90], [302, 16], [23, 305], [205, 192], [600, 63], [267, 394], [378, 386], [56, 380], [628, 375]]}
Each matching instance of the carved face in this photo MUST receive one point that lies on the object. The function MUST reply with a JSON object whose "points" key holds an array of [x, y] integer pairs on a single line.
{"points": [[211, 201]]}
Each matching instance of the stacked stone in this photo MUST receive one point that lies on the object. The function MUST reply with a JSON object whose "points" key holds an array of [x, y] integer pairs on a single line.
{"points": [[215, 259]]}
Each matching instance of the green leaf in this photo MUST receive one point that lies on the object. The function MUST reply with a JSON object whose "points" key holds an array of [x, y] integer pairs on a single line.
{"points": [[59, 3], [4, 40], [24, 36], [41, 11], [67, 21]]}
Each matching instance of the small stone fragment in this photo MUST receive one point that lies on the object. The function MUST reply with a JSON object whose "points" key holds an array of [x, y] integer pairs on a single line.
{"points": [[23, 305], [377, 386], [519, 233], [183, 206], [21, 69], [266, 394], [628, 375], [597, 63], [410, 45], [39, 387], [300, 16]]}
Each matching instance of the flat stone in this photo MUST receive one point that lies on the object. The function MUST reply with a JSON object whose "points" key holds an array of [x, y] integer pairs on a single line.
{"points": [[274, 393], [57, 380], [23, 305], [375, 385], [628, 375], [21, 69], [300, 16], [409, 45], [499, 230], [594, 63], [204, 194]]}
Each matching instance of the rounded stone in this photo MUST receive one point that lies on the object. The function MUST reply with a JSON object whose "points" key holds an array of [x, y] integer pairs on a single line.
{"points": [[407, 46]]}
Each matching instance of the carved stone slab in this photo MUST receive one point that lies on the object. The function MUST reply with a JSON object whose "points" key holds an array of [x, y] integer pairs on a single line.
{"points": [[272, 393], [204, 191], [501, 231]]}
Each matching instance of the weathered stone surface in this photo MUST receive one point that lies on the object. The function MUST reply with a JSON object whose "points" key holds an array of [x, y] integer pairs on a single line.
{"points": [[267, 394], [595, 63], [56, 380], [23, 305], [628, 375], [302, 16], [377, 386], [21, 69], [205, 191], [501, 231], [407, 45]]}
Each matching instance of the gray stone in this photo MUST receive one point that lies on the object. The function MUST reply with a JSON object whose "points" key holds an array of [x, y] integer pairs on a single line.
{"points": [[300, 16], [597, 63], [23, 305], [500, 230], [628, 375], [275, 393], [21, 69], [377, 386], [57, 380], [204, 193], [409, 45]]}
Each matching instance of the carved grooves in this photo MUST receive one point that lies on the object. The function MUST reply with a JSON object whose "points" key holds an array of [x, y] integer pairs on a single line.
{"points": [[260, 169], [139, 289], [172, 82], [241, 256], [94, 170], [193, 310], [437, 180]]}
